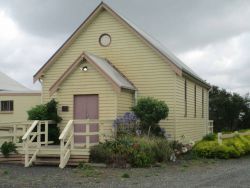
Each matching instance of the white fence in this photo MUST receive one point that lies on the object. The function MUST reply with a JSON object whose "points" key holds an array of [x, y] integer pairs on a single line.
{"points": [[222, 136]]}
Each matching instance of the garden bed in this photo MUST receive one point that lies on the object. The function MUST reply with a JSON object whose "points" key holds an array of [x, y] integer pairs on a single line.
{"points": [[230, 148]]}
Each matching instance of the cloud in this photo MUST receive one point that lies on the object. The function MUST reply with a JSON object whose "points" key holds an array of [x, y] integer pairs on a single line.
{"points": [[211, 36], [225, 63], [21, 54], [49, 18], [180, 25]]}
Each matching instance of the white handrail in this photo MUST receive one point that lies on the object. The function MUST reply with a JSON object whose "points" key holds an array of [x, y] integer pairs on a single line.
{"points": [[65, 150], [30, 129], [66, 130], [67, 137], [29, 137]]}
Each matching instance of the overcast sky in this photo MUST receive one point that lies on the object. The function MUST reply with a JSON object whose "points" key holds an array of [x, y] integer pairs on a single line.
{"points": [[210, 36]]}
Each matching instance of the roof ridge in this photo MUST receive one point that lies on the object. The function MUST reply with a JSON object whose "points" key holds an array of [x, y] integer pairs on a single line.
{"points": [[176, 64], [9, 84], [111, 64]]}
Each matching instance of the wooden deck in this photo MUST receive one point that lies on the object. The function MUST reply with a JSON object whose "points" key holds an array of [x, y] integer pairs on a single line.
{"points": [[33, 150]]}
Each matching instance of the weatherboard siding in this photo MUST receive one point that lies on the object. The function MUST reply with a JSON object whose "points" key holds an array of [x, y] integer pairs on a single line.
{"points": [[134, 58], [90, 82], [190, 127], [21, 105], [125, 101]]}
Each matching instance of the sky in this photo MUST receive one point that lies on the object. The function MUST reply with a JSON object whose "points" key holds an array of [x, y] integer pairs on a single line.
{"points": [[211, 36]]}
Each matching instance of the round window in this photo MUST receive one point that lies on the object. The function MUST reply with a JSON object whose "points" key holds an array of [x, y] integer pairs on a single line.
{"points": [[105, 40]]}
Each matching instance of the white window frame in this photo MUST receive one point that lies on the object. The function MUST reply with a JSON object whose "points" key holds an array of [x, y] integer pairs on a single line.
{"points": [[9, 108]]}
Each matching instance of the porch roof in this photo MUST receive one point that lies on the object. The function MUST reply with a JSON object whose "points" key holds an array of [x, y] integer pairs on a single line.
{"points": [[109, 71]]}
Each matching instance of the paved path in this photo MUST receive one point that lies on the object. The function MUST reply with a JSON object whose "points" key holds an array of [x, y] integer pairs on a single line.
{"points": [[207, 173]]}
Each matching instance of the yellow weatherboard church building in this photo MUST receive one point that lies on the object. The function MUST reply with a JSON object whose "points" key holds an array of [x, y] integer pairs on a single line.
{"points": [[108, 63]]}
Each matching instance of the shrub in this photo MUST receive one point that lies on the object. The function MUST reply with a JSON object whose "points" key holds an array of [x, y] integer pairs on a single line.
{"points": [[237, 143], [125, 175], [209, 137], [150, 111], [99, 153], [127, 124], [137, 151], [231, 148], [176, 145], [162, 150], [47, 111], [142, 153], [7, 148]]}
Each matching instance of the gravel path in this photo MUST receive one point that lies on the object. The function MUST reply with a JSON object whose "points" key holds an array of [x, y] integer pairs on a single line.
{"points": [[205, 173]]}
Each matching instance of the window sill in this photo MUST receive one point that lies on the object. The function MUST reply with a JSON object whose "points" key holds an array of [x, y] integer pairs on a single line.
{"points": [[6, 112]]}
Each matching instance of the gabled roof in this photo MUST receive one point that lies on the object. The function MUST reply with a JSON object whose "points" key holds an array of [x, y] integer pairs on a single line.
{"points": [[103, 66], [8, 84], [176, 64]]}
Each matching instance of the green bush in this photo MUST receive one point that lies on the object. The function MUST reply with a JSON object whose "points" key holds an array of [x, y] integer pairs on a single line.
{"points": [[150, 111], [209, 137], [137, 151], [7, 148], [100, 153], [231, 148], [47, 111], [162, 150]]}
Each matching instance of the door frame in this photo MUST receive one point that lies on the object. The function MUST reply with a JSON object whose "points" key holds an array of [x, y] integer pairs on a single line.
{"points": [[73, 115]]}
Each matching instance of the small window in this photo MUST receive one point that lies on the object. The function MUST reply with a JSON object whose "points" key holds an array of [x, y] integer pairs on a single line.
{"points": [[185, 98], [6, 106], [105, 40]]}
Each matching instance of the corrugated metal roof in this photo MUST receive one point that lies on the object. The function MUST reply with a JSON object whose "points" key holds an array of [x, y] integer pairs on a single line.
{"points": [[111, 71], [8, 84], [153, 42], [158, 45]]}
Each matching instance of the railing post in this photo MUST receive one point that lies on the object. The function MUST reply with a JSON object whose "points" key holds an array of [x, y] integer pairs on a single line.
{"points": [[39, 134], [87, 133], [61, 151], [46, 137], [100, 127], [72, 139], [219, 138], [65, 141], [14, 134], [26, 148]]}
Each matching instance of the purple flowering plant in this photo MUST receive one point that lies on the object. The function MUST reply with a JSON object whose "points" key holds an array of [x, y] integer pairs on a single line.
{"points": [[126, 124]]}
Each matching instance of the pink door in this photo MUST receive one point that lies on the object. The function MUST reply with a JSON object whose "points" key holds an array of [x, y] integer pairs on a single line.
{"points": [[86, 107]]}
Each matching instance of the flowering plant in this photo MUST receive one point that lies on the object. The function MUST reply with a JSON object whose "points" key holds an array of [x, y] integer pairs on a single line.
{"points": [[126, 124]]}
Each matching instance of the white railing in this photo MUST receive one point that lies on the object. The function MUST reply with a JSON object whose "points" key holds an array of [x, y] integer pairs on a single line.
{"points": [[66, 140], [30, 144], [13, 131], [68, 134], [222, 136], [210, 127]]}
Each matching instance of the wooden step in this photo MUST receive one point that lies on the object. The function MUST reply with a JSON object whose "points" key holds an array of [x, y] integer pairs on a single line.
{"points": [[54, 160], [12, 159], [46, 163]]}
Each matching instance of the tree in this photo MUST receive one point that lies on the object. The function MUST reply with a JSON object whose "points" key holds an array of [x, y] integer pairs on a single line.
{"points": [[47, 111], [229, 111], [150, 111]]}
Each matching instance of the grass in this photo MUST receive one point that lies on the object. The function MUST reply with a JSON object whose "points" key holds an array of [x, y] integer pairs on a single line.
{"points": [[86, 170], [5, 172], [125, 175]]}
